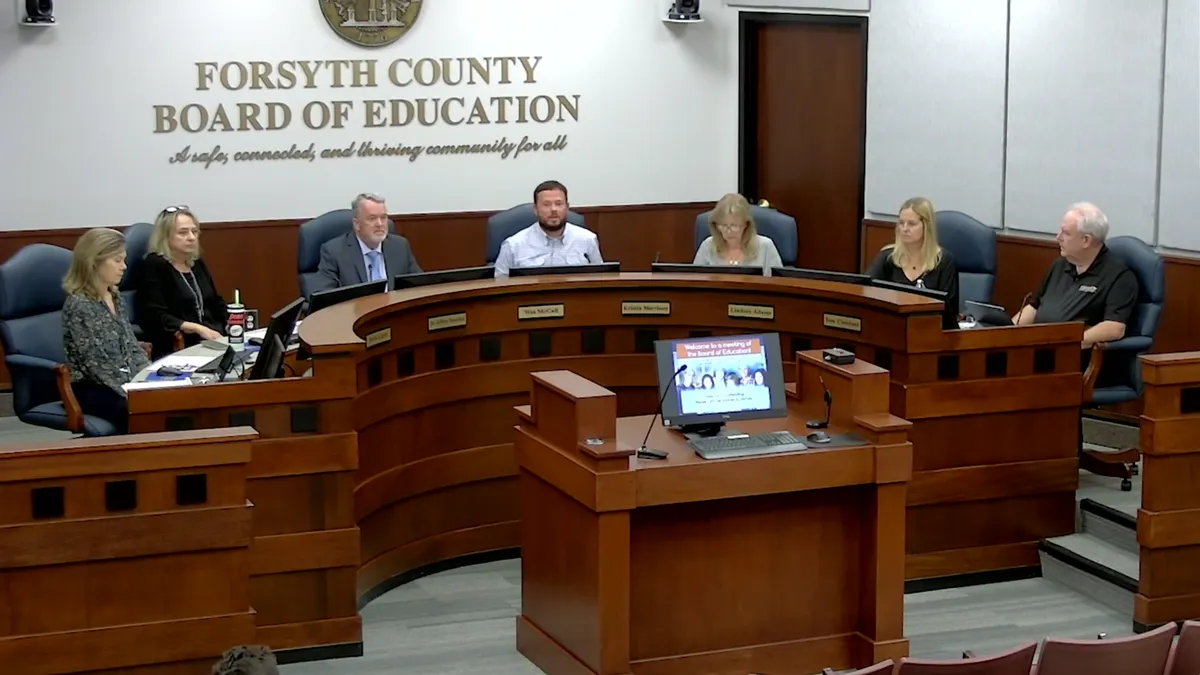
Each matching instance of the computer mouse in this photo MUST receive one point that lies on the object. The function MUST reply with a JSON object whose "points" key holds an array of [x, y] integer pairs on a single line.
{"points": [[168, 371], [254, 342], [819, 437]]}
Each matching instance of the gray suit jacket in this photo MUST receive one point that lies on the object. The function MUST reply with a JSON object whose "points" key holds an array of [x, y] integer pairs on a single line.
{"points": [[342, 261]]}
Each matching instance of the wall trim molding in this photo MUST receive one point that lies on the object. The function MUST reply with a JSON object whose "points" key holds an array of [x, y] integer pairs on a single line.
{"points": [[295, 222]]}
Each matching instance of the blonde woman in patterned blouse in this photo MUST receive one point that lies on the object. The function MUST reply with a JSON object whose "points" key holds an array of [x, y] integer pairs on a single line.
{"points": [[97, 337]]}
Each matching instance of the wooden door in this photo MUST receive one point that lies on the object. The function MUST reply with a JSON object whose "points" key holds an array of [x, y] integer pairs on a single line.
{"points": [[803, 128]]}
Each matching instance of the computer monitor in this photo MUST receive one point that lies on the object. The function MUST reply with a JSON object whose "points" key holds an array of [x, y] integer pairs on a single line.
{"points": [[336, 296], [685, 268], [820, 275], [987, 315], [443, 277], [598, 268], [269, 362], [949, 314], [906, 288], [719, 380]]}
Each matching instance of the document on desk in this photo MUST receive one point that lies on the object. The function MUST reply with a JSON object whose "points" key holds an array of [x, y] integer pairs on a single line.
{"points": [[184, 363], [156, 384]]}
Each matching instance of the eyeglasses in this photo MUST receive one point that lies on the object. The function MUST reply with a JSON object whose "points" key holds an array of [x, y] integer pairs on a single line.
{"points": [[730, 226], [176, 209]]}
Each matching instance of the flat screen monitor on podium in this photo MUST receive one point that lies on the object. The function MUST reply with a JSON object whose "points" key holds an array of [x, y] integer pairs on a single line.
{"points": [[268, 364], [598, 268], [723, 379], [336, 296], [686, 268], [905, 288], [443, 277], [820, 275], [949, 314]]}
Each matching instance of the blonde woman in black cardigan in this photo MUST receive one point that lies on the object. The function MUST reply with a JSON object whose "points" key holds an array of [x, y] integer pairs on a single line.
{"points": [[916, 258], [176, 292]]}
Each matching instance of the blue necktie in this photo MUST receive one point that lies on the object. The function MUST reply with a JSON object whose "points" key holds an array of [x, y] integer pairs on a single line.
{"points": [[373, 267]]}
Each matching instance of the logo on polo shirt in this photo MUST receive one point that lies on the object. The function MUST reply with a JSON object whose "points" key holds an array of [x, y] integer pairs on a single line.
{"points": [[371, 23], [1087, 289]]}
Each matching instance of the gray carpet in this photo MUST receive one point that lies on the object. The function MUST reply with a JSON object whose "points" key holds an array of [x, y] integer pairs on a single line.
{"points": [[462, 622]]}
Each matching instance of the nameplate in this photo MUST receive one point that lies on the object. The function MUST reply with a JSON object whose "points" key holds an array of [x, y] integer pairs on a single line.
{"points": [[445, 321], [541, 312], [379, 337], [766, 312], [646, 309], [839, 322]]}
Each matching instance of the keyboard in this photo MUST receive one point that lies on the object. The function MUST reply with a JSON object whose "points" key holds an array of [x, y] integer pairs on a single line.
{"points": [[726, 447]]}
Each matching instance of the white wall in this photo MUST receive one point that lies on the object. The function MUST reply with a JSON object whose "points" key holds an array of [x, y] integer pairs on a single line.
{"points": [[1177, 223], [935, 105], [1006, 109], [657, 110], [1013, 109]]}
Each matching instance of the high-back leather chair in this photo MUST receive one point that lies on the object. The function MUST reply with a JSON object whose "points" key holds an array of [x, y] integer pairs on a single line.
{"points": [[505, 224], [313, 234], [973, 246], [1115, 374], [137, 245], [31, 302], [779, 227]]}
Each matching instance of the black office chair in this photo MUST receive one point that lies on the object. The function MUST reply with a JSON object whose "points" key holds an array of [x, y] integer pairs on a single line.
{"points": [[1114, 373], [505, 224], [973, 246]]}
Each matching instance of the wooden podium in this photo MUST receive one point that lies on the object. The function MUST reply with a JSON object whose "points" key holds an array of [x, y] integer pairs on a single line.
{"points": [[779, 564], [1168, 524]]}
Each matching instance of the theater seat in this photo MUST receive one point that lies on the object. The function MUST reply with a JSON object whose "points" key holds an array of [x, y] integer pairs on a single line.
{"points": [[973, 246], [31, 301], [778, 226], [505, 224]]}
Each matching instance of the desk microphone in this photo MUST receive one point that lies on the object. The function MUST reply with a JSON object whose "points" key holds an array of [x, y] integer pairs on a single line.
{"points": [[816, 424], [644, 452], [657, 255]]}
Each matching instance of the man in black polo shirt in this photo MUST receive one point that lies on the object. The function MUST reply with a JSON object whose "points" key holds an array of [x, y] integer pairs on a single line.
{"points": [[1088, 284]]}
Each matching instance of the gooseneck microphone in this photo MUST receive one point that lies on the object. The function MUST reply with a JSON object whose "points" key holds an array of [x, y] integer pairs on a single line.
{"points": [[817, 424], [644, 452]]}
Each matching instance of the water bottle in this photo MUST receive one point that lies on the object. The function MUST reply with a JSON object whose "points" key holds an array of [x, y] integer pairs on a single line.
{"points": [[235, 328]]}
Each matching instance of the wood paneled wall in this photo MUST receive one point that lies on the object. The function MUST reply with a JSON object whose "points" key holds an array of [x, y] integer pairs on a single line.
{"points": [[259, 257]]}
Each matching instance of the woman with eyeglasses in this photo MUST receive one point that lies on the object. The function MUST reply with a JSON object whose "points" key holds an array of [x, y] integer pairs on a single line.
{"points": [[916, 258], [98, 339], [734, 240], [176, 293]]}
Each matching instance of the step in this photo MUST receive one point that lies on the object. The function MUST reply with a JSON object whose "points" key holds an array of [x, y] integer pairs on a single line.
{"points": [[1093, 567], [1108, 524]]}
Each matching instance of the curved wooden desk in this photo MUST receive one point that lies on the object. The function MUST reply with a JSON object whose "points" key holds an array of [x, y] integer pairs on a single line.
{"points": [[405, 428]]}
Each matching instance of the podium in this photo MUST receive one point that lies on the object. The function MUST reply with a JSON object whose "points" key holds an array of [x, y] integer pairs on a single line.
{"points": [[1168, 522], [781, 563]]}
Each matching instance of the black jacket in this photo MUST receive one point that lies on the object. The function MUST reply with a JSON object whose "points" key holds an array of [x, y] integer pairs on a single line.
{"points": [[943, 278], [165, 300]]}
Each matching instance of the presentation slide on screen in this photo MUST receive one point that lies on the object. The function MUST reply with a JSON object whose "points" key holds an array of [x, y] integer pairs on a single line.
{"points": [[722, 376]]}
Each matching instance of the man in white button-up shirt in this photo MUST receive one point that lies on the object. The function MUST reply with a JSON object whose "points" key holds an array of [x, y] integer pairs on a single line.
{"points": [[551, 241]]}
